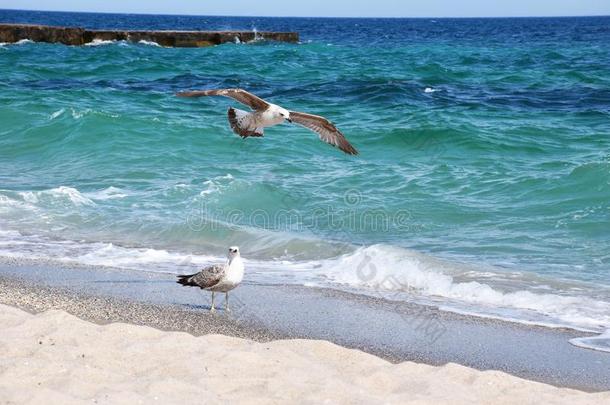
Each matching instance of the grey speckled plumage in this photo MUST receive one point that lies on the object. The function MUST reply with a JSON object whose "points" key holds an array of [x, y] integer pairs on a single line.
{"points": [[206, 278]]}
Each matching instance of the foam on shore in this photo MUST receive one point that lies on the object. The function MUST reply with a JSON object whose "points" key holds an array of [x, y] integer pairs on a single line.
{"points": [[600, 342], [384, 271]]}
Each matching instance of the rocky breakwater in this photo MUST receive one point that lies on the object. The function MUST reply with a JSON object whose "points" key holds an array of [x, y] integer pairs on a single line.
{"points": [[10, 33]]}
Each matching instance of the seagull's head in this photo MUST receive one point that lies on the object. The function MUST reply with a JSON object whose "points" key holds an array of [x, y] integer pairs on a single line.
{"points": [[233, 252], [285, 114]]}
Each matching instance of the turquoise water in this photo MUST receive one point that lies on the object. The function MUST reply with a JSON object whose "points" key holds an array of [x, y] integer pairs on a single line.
{"points": [[482, 184]]}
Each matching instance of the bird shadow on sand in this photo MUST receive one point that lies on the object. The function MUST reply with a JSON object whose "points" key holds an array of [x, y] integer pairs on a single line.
{"points": [[233, 314], [198, 307]]}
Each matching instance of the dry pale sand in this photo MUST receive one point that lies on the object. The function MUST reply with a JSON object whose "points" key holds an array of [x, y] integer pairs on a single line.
{"points": [[54, 357]]}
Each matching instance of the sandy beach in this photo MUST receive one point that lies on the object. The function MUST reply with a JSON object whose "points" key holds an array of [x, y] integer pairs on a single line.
{"points": [[54, 357], [73, 335]]}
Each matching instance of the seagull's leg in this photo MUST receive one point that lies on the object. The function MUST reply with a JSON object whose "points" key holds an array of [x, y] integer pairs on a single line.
{"points": [[227, 302], [212, 309]]}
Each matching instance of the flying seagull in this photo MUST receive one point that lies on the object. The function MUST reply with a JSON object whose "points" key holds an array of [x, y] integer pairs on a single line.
{"points": [[218, 277], [265, 114]]}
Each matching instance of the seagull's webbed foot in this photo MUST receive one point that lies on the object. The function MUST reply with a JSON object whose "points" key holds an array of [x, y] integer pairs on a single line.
{"points": [[227, 302]]}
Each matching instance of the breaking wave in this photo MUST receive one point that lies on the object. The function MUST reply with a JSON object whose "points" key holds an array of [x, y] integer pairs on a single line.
{"points": [[382, 271]]}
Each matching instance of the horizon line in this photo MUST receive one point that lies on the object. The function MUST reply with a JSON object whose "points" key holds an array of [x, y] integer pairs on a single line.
{"points": [[289, 16]]}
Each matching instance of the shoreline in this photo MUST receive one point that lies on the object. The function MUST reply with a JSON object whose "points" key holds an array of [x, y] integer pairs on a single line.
{"points": [[394, 331], [56, 357]]}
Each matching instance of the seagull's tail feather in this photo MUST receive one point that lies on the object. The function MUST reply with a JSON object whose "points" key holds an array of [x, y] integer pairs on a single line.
{"points": [[185, 280], [243, 123]]}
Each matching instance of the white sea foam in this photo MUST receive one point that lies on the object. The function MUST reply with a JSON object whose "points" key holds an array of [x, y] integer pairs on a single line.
{"points": [[58, 194], [57, 113], [257, 35], [149, 43], [140, 258], [210, 188], [6, 203], [37, 205], [398, 273], [79, 114], [99, 42], [3, 45], [37, 247], [216, 185], [109, 193], [600, 342]]}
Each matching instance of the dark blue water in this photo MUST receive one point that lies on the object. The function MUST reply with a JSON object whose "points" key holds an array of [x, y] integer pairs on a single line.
{"points": [[352, 31]]}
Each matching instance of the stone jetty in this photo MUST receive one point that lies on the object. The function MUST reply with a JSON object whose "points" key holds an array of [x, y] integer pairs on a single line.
{"points": [[79, 36]]}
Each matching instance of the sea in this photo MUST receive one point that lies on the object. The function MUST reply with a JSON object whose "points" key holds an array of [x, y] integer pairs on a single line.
{"points": [[482, 185]]}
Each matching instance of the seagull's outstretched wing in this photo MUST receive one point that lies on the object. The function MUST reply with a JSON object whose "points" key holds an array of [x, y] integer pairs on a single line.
{"points": [[249, 99], [323, 127]]}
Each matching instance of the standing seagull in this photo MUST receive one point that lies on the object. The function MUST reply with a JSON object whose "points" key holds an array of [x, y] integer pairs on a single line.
{"points": [[265, 114], [218, 277]]}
